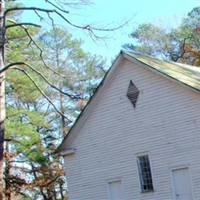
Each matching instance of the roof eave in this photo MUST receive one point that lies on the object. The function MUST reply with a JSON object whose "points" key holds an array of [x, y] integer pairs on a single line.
{"points": [[65, 144]]}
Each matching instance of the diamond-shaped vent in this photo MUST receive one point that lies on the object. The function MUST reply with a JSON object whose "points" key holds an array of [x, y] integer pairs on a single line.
{"points": [[132, 93]]}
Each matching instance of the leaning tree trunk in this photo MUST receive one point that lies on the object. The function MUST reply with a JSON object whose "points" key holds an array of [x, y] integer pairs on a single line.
{"points": [[2, 94]]}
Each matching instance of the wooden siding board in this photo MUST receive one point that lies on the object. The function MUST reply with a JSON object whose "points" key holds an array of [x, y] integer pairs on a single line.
{"points": [[115, 132]]}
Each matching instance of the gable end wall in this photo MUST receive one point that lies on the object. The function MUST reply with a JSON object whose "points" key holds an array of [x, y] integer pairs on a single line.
{"points": [[165, 124]]}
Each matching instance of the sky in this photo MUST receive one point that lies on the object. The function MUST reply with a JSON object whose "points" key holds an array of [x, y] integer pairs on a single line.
{"points": [[112, 13]]}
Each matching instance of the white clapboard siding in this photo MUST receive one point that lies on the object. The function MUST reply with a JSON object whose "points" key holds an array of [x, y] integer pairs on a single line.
{"points": [[165, 124]]}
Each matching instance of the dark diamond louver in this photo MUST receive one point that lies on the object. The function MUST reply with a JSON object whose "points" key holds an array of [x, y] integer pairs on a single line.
{"points": [[132, 93]]}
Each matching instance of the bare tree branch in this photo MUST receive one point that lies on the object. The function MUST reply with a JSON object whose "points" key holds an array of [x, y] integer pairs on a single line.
{"points": [[54, 5], [9, 66], [89, 28], [18, 161], [41, 18], [22, 24], [44, 78], [52, 21], [43, 94], [26, 8], [12, 139], [39, 48]]}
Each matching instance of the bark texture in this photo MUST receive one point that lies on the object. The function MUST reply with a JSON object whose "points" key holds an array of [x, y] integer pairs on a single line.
{"points": [[2, 95]]}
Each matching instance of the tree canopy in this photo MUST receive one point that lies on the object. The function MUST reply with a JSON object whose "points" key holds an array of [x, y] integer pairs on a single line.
{"points": [[49, 79], [180, 44]]}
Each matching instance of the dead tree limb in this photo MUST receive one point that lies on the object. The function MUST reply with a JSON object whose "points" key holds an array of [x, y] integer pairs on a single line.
{"points": [[42, 92], [12, 66]]}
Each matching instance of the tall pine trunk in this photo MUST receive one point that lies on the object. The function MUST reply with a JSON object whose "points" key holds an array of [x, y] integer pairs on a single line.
{"points": [[2, 95]]}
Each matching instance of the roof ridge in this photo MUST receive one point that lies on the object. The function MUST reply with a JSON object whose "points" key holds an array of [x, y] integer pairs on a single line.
{"points": [[132, 53]]}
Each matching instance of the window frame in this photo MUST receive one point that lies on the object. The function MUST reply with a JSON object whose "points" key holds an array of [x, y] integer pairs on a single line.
{"points": [[142, 175]]}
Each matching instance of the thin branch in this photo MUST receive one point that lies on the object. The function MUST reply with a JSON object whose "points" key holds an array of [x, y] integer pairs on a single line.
{"points": [[14, 38], [2, 78], [7, 139], [43, 94], [54, 5], [89, 28], [52, 21], [26, 8], [18, 161], [36, 71], [47, 81], [50, 182], [46, 11], [10, 66], [12, 140], [40, 50], [22, 24], [41, 18]]}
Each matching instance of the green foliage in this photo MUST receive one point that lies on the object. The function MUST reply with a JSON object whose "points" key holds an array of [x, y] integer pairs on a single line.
{"points": [[32, 126], [22, 87], [148, 38], [82, 70], [21, 127], [181, 44], [19, 46]]}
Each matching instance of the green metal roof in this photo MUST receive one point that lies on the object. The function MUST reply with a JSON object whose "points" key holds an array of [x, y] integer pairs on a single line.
{"points": [[186, 74]]}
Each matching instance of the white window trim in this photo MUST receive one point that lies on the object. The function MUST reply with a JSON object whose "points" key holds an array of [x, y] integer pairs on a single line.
{"points": [[138, 173]]}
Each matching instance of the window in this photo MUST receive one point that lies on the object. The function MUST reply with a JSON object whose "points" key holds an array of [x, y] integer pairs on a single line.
{"points": [[144, 169]]}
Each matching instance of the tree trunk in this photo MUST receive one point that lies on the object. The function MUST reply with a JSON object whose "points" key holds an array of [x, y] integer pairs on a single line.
{"points": [[1, 154], [2, 128], [2, 96], [7, 190]]}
